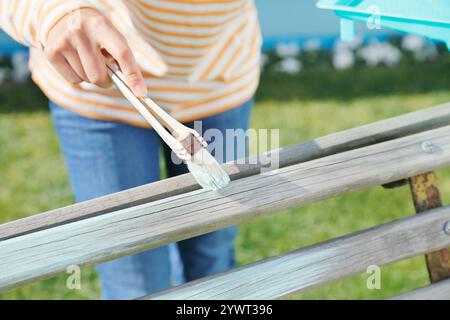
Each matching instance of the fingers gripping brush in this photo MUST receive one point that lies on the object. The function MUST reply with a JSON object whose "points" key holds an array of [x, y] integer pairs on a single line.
{"points": [[185, 142]]}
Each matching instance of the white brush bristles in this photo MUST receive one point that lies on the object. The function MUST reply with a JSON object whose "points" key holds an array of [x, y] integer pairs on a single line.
{"points": [[207, 171]]}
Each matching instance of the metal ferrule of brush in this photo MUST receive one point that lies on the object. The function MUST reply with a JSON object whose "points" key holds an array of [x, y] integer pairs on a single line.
{"points": [[191, 143]]}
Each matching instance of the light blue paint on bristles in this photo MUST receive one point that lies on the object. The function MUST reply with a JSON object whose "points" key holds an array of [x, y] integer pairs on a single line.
{"points": [[428, 18]]}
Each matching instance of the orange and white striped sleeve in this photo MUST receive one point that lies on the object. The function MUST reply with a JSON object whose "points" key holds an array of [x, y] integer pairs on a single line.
{"points": [[29, 21]]}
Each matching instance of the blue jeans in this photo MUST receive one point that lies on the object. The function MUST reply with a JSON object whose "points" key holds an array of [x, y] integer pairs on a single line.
{"points": [[104, 157]]}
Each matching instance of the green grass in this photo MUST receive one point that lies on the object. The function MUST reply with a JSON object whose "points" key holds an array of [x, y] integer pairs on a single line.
{"points": [[33, 178]]}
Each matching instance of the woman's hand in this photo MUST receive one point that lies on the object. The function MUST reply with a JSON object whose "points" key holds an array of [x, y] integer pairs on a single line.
{"points": [[76, 45]]}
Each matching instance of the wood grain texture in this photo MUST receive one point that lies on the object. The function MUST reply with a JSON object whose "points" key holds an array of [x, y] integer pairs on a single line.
{"points": [[437, 291], [105, 237], [331, 144], [323, 263]]}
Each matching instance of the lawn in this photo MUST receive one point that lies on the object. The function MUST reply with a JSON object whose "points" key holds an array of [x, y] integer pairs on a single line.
{"points": [[314, 103]]}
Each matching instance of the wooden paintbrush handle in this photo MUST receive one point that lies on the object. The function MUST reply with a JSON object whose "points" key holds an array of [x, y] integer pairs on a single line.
{"points": [[167, 137]]}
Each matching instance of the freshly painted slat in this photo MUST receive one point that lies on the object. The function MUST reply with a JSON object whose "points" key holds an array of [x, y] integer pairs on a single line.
{"points": [[322, 263], [339, 142], [437, 291], [134, 229]]}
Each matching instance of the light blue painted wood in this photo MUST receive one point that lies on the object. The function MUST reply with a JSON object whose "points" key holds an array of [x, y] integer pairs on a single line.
{"points": [[429, 18], [347, 30]]}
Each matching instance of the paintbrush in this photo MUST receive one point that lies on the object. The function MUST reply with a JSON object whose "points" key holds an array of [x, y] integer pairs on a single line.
{"points": [[185, 142]]}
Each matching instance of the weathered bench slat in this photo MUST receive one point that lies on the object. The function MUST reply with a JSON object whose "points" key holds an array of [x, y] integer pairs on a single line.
{"points": [[323, 263], [339, 142], [437, 291], [104, 237]]}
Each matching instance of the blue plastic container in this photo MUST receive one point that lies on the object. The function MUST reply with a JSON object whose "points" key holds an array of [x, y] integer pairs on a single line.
{"points": [[429, 18]]}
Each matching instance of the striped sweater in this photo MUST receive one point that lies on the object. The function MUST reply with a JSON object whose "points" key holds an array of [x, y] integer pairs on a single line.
{"points": [[199, 57]]}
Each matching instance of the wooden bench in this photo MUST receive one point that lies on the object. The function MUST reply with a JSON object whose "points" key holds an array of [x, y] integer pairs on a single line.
{"points": [[391, 152]]}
